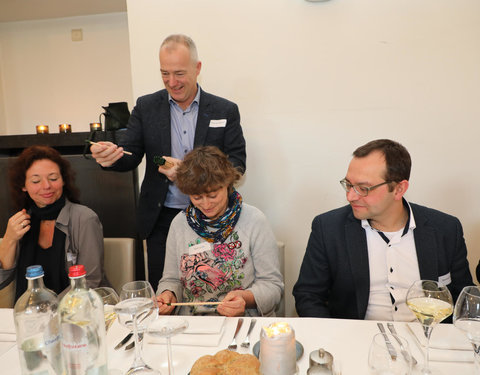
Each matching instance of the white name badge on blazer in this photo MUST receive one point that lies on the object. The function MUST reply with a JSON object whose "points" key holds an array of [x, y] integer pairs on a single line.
{"points": [[218, 123], [200, 248]]}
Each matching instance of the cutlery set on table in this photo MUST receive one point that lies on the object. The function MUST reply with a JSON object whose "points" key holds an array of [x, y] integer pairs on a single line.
{"points": [[392, 351], [246, 341]]}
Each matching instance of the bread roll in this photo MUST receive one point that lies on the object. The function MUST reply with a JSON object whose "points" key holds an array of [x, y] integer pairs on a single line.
{"points": [[226, 362]]}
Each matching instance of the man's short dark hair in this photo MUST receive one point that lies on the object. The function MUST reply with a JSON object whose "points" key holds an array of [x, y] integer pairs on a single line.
{"points": [[397, 158]]}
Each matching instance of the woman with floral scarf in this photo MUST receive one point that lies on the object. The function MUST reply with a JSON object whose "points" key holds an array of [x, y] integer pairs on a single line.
{"points": [[219, 249]]}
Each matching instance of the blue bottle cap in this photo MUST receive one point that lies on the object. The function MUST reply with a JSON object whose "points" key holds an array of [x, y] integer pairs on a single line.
{"points": [[34, 272]]}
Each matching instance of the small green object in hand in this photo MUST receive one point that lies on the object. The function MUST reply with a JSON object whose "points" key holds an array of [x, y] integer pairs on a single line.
{"points": [[158, 160]]}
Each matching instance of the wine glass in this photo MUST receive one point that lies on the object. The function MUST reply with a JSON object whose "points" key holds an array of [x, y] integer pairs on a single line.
{"points": [[136, 309], [466, 317], [168, 327], [380, 360], [110, 299], [431, 302]]}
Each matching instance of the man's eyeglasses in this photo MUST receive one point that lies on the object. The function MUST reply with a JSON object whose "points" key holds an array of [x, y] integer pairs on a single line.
{"points": [[360, 189]]}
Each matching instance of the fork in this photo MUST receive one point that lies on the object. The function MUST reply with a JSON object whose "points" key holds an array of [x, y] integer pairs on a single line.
{"points": [[246, 342], [233, 345]]}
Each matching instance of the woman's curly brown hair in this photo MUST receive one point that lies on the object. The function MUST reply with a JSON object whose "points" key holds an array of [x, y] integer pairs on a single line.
{"points": [[206, 169], [18, 171]]}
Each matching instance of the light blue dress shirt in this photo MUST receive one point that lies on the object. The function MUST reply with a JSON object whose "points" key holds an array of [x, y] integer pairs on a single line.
{"points": [[183, 124]]}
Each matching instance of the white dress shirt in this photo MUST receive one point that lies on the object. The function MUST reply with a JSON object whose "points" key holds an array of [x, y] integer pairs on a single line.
{"points": [[393, 269]]}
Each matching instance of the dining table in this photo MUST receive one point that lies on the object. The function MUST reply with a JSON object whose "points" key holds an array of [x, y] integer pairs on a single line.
{"points": [[347, 340]]}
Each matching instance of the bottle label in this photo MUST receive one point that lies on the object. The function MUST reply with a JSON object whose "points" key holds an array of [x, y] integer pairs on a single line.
{"points": [[74, 348]]}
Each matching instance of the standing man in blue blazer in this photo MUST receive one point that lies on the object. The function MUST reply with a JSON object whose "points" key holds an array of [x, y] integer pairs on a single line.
{"points": [[362, 258], [170, 123]]}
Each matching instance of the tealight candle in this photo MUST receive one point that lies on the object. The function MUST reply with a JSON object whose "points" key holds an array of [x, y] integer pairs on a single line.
{"points": [[277, 350], [95, 126], [42, 129], [64, 128]]}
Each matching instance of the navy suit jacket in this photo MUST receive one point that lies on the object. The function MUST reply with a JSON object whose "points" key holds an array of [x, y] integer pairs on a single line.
{"points": [[149, 133], [334, 279]]}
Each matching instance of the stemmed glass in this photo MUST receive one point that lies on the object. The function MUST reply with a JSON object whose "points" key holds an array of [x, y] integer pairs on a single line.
{"points": [[168, 327], [138, 307], [431, 302], [466, 317], [380, 360], [110, 299]]}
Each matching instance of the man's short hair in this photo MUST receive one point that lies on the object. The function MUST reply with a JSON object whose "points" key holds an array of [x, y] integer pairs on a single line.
{"points": [[397, 158], [182, 39]]}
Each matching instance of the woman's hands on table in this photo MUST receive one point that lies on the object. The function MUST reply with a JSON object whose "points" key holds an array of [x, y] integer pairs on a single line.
{"points": [[164, 299], [235, 303]]}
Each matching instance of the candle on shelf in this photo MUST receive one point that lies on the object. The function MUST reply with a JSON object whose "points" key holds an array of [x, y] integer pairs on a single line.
{"points": [[95, 126], [277, 350], [42, 129], [64, 128]]}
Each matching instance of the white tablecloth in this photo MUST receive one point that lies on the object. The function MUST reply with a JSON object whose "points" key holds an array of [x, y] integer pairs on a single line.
{"points": [[347, 340]]}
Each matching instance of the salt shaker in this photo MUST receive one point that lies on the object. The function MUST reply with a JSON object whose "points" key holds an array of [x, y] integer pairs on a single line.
{"points": [[321, 362]]}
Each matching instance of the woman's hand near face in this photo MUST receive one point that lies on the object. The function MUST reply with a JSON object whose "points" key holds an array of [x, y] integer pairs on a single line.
{"points": [[235, 303], [163, 299], [17, 226]]}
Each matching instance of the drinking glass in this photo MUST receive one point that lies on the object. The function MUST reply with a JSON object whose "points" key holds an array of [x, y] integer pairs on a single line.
{"points": [[466, 317], [136, 309], [168, 327], [431, 302], [110, 299], [380, 361]]}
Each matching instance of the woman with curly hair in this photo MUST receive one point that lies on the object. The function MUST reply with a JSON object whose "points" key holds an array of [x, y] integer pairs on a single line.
{"points": [[50, 227], [218, 248]]}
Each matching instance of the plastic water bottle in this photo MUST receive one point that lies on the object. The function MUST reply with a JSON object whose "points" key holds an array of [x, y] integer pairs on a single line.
{"points": [[37, 326], [82, 325]]}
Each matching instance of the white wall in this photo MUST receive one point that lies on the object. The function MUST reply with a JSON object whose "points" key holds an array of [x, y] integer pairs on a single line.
{"points": [[49, 79], [315, 80]]}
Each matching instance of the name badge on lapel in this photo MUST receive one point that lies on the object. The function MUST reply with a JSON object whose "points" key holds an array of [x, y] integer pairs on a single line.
{"points": [[218, 123], [200, 248]]}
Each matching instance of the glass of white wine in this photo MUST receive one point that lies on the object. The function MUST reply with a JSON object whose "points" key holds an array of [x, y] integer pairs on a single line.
{"points": [[431, 302], [136, 309], [110, 299], [466, 317]]}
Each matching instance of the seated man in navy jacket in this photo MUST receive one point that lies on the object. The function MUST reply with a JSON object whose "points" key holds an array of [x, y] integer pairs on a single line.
{"points": [[362, 258]]}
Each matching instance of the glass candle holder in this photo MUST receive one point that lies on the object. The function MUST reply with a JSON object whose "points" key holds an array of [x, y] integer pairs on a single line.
{"points": [[42, 129], [64, 128], [277, 350], [95, 126]]}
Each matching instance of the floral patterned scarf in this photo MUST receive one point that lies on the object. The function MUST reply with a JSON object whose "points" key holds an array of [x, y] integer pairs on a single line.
{"points": [[217, 230]]}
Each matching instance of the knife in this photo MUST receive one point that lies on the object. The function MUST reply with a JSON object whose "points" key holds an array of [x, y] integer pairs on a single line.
{"points": [[124, 341], [402, 349], [391, 349], [132, 344]]}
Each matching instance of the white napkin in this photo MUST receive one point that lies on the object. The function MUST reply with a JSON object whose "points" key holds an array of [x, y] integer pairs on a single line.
{"points": [[444, 336], [201, 331], [447, 343], [8, 337], [7, 324], [205, 324]]}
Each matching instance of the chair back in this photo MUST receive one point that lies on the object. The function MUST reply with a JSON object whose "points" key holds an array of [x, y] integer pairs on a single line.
{"points": [[119, 261], [7, 294]]}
